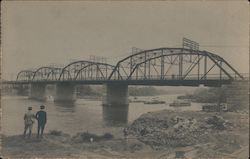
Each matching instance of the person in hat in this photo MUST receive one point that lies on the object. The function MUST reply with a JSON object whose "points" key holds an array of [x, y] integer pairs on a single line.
{"points": [[28, 122], [41, 117]]}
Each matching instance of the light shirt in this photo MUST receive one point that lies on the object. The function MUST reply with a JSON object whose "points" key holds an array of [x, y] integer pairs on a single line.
{"points": [[28, 118]]}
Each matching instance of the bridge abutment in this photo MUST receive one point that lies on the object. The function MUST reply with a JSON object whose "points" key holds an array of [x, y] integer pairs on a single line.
{"points": [[65, 92], [38, 91]]}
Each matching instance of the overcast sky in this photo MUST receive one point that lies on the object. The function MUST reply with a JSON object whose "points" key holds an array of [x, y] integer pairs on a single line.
{"points": [[37, 34]]}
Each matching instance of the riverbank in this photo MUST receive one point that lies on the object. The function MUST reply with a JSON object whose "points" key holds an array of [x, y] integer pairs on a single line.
{"points": [[64, 146], [153, 135]]}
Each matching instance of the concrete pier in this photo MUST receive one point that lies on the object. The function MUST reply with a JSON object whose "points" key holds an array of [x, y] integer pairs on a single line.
{"points": [[22, 90], [37, 91], [115, 94], [115, 103], [65, 92]]}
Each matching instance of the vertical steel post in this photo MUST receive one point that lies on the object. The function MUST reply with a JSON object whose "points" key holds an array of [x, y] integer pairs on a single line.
{"points": [[118, 72], [220, 71], [81, 74], [85, 74], [205, 67], [131, 66], [91, 71], [145, 66], [137, 73], [97, 72], [162, 65], [180, 66], [198, 67], [88, 72], [106, 71], [149, 68]]}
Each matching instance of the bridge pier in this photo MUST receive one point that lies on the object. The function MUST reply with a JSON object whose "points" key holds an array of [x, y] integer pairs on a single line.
{"points": [[115, 94], [65, 92], [38, 91], [115, 103], [22, 90]]}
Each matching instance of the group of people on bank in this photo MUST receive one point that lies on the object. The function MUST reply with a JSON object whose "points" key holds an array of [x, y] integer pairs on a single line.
{"points": [[41, 117]]}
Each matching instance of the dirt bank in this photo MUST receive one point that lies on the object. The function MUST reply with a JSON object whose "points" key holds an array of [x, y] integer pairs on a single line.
{"points": [[153, 135]]}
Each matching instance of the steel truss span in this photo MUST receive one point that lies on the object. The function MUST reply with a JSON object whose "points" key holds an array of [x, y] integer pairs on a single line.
{"points": [[78, 70], [161, 64], [172, 64], [86, 70]]}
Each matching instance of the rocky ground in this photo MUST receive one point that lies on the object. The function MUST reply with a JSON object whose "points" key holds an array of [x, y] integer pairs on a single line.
{"points": [[209, 135], [162, 134]]}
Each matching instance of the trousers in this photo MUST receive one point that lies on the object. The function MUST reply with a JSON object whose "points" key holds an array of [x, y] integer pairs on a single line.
{"points": [[40, 129]]}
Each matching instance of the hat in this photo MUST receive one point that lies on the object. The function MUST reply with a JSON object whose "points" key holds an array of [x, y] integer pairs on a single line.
{"points": [[29, 108], [42, 107]]}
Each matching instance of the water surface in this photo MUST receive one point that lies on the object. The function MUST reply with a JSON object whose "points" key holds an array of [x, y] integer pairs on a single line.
{"points": [[83, 115]]}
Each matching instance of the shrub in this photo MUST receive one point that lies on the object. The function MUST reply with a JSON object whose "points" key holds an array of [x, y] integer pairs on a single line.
{"points": [[107, 136]]}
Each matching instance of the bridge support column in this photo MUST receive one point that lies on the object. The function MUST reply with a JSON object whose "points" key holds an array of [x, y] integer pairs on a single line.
{"points": [[115, 103], [22, 90], [65, 92], [37, 91], [115, 94]]}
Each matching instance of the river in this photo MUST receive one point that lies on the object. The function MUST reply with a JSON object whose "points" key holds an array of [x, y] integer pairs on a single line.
{"points": [[83, 115]]}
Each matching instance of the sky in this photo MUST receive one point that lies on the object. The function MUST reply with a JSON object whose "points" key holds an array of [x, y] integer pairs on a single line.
{"points": [[41, 33]]}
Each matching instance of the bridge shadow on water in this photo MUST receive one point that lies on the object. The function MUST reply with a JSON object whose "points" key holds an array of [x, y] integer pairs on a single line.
{"points": [[115, 115]]}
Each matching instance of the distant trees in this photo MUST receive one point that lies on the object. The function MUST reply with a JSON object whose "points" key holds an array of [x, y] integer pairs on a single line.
{"points": [[210, 95], [133, 91], [144, 91], [87, 91]]}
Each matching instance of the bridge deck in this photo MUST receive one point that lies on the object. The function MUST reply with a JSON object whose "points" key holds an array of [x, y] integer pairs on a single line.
{"points": [[133, 82]]}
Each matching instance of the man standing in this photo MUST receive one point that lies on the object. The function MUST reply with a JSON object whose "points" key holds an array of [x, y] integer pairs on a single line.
{"points": [[41, 117], [28, 122]]}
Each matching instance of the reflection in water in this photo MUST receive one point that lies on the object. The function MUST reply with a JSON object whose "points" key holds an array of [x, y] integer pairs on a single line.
{"points": [[83, 115], [65, 106], [114, 115]]}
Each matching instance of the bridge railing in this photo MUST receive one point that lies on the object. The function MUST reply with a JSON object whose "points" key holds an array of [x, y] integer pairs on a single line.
{"points": [[188, 77], [153, 77]]}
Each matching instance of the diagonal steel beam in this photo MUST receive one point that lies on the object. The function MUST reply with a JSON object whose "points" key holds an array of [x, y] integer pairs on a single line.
{"points": [[192, 67], [220, 67]]}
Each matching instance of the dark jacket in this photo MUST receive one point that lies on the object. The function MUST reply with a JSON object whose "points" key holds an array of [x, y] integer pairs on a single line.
{"points": [[41, 117]]}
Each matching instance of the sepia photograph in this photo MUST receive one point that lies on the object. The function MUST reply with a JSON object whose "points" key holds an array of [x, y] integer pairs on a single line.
{"points": [[124, 79]]}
